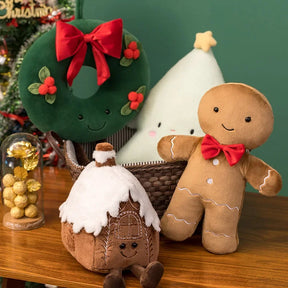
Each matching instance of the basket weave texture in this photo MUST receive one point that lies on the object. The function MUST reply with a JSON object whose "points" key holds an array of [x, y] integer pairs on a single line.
{"points": [[159, 179]]}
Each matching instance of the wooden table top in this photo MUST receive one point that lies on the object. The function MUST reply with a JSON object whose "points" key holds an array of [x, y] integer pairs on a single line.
{"points": [[261, 260]]}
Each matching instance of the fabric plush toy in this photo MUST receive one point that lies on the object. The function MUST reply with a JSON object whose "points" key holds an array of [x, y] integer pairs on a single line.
{"points": [[109, 224], [53, 62], [236, 118], [173, 102]]}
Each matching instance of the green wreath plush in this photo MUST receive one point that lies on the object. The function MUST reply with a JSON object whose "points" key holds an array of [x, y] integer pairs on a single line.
{"points": [[54, 60]]}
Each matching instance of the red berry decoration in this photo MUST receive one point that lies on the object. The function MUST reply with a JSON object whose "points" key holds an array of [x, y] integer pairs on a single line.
{"points": [[132, 51], [133, 45], [47, 86], [136, 54], [49, 81], [43, 89], [134, 105], [52, 90], [128, 53], [140, 97], [133, 96]]}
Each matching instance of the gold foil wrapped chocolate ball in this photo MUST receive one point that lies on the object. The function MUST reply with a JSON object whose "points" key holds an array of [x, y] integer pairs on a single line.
{"points": [[20, 187], [8, 180], [21, 201], [9, 203], [31, 211], [8, 193], [17, 212]]}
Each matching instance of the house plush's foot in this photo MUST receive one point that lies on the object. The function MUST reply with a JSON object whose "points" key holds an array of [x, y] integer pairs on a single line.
{"points": [[152, 275], [114, 279]]}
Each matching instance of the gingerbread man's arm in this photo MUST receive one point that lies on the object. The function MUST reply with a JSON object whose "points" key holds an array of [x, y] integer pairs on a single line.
{"points": [[177, 147], [261, 176]]}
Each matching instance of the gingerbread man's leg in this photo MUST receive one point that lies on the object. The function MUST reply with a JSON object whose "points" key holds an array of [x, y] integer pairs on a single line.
{"points": [[182, 215], [219, 233]]}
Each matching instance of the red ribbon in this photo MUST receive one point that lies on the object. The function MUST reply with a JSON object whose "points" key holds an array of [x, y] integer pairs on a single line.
{"points": [[210, 148], [20, 119], [104, 39]]}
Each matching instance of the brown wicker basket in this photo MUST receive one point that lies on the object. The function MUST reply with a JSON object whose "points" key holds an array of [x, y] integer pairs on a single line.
{"points": [[159, 178]]}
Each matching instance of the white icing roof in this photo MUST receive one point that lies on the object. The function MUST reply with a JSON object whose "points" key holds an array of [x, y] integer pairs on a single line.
{"points": [[99, 190]]}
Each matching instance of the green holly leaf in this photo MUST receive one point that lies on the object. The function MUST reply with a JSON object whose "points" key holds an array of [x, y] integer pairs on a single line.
{"points": [[142, 90], [34, 88], [128, 38], [126, 62], [50, 98], [43, 73], [125, 110]]}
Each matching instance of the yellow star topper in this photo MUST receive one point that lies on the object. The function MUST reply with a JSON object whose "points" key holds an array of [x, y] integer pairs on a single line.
{"points": [[205, 41]]}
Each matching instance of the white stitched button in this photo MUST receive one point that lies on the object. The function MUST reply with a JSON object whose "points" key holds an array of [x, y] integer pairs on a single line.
{"points": [[210, 181], [215, 162]]}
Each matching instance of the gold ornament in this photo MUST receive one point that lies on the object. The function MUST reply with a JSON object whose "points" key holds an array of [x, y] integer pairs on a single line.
{"points": [[25, 151], [31, 162], [21, 149], [20, 173], [33, 185]]}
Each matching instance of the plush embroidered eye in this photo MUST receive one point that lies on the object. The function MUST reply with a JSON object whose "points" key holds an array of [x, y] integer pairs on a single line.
{"points": [[248, 119], [134, 245], [107, 111], [159, 124], [122, 246], [80, 117], [192, 131], [216, 109]]}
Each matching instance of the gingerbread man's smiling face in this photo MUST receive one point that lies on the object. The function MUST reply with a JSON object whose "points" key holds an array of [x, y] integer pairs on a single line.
{"points": [[235, 113]]}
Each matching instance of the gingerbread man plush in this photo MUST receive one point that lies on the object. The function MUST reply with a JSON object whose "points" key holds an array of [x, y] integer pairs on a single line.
{"points": [[236, 119]]}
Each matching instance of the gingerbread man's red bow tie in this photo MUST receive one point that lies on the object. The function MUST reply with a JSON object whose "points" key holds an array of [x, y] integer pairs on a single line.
{"points": [[104, 39], [210, 148]]}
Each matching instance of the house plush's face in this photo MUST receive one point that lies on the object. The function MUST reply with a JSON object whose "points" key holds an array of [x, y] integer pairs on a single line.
{"points": [[235, 113], [126, 252]]}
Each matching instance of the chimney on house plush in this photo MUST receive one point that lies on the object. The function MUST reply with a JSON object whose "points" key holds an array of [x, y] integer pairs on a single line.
{"points": [[104, 155]]}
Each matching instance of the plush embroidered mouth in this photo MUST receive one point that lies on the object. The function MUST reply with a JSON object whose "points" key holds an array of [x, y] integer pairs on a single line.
{"points": [[97, 129], [232, 129], [128, 256]]}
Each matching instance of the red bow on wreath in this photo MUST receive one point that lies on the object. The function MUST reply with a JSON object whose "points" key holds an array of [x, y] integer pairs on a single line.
{"points": [[104, 39], [210, 148]]}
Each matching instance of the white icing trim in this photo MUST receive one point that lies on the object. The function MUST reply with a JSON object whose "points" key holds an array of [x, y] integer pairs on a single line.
{"points": [[172, 146], [218, 235], [103, 156], [98, 192], [181, 220], [264, 181], [210, 200]]}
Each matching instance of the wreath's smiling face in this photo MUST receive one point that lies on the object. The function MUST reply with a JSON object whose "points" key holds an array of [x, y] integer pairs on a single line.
{"points": [[236, 113]]}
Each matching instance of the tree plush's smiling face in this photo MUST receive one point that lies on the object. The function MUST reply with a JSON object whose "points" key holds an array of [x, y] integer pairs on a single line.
{"points": [[81, 119], [235, 113]]}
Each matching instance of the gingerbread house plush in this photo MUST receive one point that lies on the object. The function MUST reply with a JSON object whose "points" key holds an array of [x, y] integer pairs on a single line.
{"points": [[109, 224]]}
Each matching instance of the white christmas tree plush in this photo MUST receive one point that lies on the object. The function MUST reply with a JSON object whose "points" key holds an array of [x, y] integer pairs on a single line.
{"points": [[172, 105]]}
